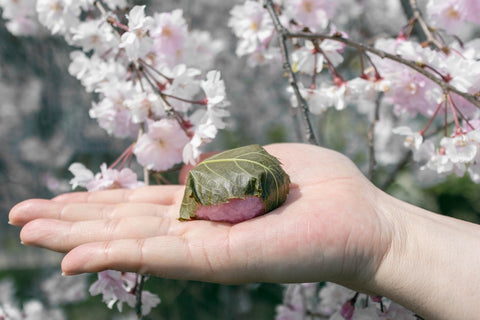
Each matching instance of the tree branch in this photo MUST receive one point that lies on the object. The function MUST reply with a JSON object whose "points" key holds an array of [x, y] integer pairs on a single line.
{"points": [[302, 103], [417, 17], [446, 87]]}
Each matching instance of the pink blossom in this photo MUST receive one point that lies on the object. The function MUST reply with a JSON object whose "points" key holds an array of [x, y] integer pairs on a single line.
{"points": [[413, 140], [112, 113], [332, 296], [160, 148], [168, 32], [58, 15], [135, 41], [114, 288], [105, 179], [185, 85], [94, 35], [296, 302], [474, 170], [82, 175], [149, 301], [114, 179], [313, 14], [203, 133], [117, 287], [306, 60], [21, 17], [447, 14], [214, 89], [460, 148], [252, 25], [200, 49], [472, 7], [409, 91]]}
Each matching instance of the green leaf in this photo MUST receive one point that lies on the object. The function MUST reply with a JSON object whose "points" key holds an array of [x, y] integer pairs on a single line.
{"points": [[236, 173]]}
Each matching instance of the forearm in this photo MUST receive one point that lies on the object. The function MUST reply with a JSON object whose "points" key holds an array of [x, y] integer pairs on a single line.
{"points": [[433, 265]]}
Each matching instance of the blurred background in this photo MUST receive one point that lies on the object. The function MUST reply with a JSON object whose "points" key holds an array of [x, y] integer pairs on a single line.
{"points": [[44, 126]]}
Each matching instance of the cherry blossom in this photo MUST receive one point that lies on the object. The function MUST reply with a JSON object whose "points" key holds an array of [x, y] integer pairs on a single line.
{"points": [[116, 288], [106, 179], [21, 17], [161, 147], [460, 149], [58, 15], [413, 140], [313, 14], [449, 15], [169, 33], [135, 41], [82, 175], [200, 49], [214, 89], [114, 179], [252, 25], [94, 35]]}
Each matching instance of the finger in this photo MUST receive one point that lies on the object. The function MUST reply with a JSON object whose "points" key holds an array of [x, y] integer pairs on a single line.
{"points": [[164, 194], [62, 236], [47, 209], [167, 257]]}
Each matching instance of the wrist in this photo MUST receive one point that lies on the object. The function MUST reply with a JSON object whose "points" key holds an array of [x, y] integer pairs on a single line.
{"points": [[431, 265]]}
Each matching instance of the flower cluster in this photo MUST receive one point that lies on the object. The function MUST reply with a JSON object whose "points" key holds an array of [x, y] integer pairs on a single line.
{"points": [[145, 70], [106, 179], [118, 287], [453, 15], [146, 74], [432, 80], [143, 82], [254, 27], [334, 302], [412, 93], [21, 17]]}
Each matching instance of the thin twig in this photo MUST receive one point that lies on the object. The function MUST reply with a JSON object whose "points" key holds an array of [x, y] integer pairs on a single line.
{"points": [[417, 16], [138, 293], [302, 103], [446, 87]]}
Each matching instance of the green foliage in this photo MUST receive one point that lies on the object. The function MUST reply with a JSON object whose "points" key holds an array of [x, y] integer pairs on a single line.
{"points": [[236, 173]]}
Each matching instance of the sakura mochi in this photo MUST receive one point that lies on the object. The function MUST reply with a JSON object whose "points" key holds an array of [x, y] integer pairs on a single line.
{"points": [[234, 186]]}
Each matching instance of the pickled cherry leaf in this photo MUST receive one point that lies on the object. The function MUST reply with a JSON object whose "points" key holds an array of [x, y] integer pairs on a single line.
{"points": [[248, 171]]}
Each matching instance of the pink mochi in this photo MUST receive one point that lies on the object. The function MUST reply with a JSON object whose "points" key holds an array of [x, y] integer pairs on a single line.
{"points": [[233, 211]]}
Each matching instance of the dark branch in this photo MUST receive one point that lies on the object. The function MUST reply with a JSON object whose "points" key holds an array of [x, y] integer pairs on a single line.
{"points": [[446, 87], [302, 103]]}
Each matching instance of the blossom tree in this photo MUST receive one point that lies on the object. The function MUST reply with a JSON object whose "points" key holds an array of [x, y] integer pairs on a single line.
{"points": [[153, 83]]}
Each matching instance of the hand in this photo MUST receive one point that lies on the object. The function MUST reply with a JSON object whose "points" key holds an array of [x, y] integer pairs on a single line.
{"points": [[328, 229], [334, 226]]}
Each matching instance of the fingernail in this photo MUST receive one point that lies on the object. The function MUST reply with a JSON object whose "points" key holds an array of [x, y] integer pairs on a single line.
{"points": [[21, 242], [64, 274]]}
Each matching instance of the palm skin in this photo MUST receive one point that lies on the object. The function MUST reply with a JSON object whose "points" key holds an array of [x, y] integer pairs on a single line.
{"points": [[330, 228]]}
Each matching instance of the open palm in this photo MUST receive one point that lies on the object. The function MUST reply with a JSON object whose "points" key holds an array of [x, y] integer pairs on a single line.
{"points": [[328, 229]]}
